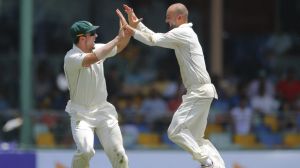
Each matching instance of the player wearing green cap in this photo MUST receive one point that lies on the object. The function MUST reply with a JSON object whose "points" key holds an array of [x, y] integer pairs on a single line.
{"points": [[88, 108]]}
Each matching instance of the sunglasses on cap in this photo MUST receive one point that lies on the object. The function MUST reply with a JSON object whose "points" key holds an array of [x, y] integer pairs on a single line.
{"points": [[91, 33]]}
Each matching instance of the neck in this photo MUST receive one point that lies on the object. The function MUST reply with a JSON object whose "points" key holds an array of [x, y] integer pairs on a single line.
{"points": [[82, 48], [182, 22]]}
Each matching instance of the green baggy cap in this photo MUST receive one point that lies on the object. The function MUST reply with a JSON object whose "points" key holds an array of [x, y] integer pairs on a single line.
{"points": [[80, 28]]}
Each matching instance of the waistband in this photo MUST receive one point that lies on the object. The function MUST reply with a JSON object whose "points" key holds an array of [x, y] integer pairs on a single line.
{"points": [[84, 108], [203, 90]]}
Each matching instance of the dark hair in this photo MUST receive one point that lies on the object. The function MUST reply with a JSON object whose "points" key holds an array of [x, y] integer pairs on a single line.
{"points": [[76, 40]]}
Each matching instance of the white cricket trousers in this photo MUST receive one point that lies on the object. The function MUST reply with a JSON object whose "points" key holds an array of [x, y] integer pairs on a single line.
{"points": [[188, 126], [110, 138]]}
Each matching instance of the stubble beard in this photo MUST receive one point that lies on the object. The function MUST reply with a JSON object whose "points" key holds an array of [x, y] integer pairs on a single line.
{"points": [[91, 48], [172, 26]]}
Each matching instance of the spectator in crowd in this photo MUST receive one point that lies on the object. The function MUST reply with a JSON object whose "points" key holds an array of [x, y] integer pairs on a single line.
{"points": [[288, 116], [175, 101], [241, 116], [288, 88], [130, 110], [153, 108], [167, 88], [262, 79], [297, 110], [264, 103], [44, 85]]}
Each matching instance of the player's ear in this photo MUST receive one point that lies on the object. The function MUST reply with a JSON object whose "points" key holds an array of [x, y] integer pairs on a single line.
{"points": [[79, 38], [179, 17]]}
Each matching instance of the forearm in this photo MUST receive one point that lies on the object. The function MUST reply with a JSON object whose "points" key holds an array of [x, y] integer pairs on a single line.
{"points": [[123, 43], [144, 37], [141, 27], [102, 52], [99, 53], [148, 37]]}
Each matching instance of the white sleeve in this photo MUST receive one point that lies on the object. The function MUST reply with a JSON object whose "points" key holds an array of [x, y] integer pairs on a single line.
{"points": [[112, 53], [143, 28], [74, 61], [167, 40]]}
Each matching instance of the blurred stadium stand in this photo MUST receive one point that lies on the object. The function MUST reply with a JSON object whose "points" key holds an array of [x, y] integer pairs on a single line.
{"points": [[261, 66]]}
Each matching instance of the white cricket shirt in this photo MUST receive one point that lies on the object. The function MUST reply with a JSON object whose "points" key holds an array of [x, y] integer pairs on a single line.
{"points": [[87, 85], [188, 52]]}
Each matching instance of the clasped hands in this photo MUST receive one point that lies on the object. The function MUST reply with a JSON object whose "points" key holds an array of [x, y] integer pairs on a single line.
{"points": [[125, 28]]}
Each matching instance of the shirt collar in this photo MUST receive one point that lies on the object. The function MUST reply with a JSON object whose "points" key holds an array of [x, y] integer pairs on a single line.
{"points": [[77, 49], [186, 25]]}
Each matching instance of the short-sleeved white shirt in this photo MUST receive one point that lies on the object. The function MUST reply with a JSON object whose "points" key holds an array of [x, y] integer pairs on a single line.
{"points": [[242, 119], [87, 85]]}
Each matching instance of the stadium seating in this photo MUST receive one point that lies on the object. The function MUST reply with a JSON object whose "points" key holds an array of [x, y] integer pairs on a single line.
{"points": [[45, 140], [222, 140], [291, 140], [213, 128], [272, 122], [270, 140], [149, 140], [246, 141]]}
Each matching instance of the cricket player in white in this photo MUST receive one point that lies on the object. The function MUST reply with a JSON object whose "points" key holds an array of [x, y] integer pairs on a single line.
{"points": [[88, 108], [189, 121]]}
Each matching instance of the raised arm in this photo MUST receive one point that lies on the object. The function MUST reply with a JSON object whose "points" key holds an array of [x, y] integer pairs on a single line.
{"points": [[125, 34], [120, 41], [147, 36], [134, 22], [101, 52], [167, 40], [132, 19]]}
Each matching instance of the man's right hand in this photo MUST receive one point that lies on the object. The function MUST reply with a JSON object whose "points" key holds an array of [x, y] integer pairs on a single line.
{"points": [[132, 19], [124, 31]]}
